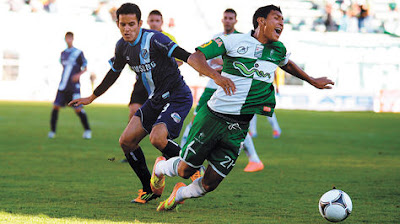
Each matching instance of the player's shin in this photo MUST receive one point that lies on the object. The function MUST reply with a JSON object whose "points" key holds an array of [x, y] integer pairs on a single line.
{"points": [[84, 120], [168, 167], [137, 161], [53, 120], [250, 149], [171, 150]]}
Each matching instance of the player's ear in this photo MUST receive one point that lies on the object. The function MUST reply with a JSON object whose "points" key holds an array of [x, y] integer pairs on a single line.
{"points": [[140, 23], [117, 23], [261, 21]]}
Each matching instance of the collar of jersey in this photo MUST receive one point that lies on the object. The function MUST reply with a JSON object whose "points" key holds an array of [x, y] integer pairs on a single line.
{"points": [[137, 38], [69, 49]]}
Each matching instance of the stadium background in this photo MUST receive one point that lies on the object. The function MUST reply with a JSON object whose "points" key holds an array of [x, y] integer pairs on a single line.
{"points": [[364, 63]]}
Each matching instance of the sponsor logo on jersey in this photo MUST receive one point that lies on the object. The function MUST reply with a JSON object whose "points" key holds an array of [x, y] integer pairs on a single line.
{"points": [[250, 72], [258, 51], [271, 57], [218, 41], [144, 67], [242, 50], [175, 116]]}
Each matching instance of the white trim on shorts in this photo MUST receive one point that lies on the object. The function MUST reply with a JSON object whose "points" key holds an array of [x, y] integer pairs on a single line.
{"points": [[215, 169]]}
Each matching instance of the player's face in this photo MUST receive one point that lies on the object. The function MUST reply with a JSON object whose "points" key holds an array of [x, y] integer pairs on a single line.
{"points": [[229, 21], [129, 26], [69, 39], [155, 22], [272, 26]]}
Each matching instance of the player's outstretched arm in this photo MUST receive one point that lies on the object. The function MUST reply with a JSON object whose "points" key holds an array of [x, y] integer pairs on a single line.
{"points": [[82, 101], [198, 61], [108, 80], [320, 83]]}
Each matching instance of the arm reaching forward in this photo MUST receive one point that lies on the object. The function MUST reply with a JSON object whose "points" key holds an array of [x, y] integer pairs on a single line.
{"points": [[320, 83]]}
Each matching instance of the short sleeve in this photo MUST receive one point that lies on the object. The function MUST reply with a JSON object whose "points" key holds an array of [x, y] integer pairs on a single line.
{"points": [[213, 48], [82, 60], [118, 62], [163, 44], [285, 60]]}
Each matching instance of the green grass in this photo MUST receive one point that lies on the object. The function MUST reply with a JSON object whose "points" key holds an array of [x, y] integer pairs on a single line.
{"points": [[71, 180]]}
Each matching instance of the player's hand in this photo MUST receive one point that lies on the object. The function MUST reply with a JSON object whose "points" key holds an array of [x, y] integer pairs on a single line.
{"points": [[226, 84], [81, 101], [322, 83], [75, 78]]}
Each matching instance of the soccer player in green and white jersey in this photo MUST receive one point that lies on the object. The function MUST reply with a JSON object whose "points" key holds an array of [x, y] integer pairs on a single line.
{"points": [[228, 21], [219, 129]]}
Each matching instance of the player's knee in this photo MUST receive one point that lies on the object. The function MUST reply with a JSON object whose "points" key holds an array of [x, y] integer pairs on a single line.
{"points": [[158, 141], [126, 145]]}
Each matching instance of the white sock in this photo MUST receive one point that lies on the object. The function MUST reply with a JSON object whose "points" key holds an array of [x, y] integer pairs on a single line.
{"points": [[185, 134], [168, 167], [250, 149], [253, 126], [274, 123], [193, 190]]}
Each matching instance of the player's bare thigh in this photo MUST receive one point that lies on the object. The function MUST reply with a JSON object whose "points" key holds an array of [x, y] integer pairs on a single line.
{"points": [[133, 108], [132, 135]]}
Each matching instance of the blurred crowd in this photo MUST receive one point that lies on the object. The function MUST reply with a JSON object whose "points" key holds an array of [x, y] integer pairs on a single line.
{"points": [[33, 5], [358, 16], [365, 16]]}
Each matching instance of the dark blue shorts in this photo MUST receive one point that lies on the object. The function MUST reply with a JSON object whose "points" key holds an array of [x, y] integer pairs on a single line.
{"points": [[64, 97], [172, 111]]}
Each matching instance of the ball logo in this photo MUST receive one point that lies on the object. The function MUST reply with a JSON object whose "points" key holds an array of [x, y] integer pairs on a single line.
{"points": [[175, 116]]}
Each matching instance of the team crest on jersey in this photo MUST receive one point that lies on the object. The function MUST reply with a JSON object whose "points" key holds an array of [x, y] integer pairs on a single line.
{"points": [[242, 50], [175, 116], [258, 51], [250, 72], [144, 53]]}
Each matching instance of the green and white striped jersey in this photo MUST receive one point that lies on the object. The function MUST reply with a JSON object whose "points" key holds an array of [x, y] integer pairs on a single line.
{"points": [[251, 66]]}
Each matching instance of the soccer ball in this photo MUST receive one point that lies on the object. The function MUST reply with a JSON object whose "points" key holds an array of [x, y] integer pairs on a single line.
{"points": [[335, 205]]}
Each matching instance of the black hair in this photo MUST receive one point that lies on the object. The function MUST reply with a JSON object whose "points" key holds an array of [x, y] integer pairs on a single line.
{"points": [[155, 12], [129, 8], [263, 12], [231, 11], [69, 34]]}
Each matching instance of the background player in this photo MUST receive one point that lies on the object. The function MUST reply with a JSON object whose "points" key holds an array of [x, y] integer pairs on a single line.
{"points": [[229, 21], [220, 128], [74, 65], [151, 55]]}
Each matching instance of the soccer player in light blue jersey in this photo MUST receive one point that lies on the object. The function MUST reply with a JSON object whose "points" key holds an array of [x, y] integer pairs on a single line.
{"points": [[74, 65], [151, 55]]}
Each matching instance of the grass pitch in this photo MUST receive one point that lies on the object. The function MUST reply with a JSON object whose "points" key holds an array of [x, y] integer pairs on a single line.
{"points": [[72, 180]]}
